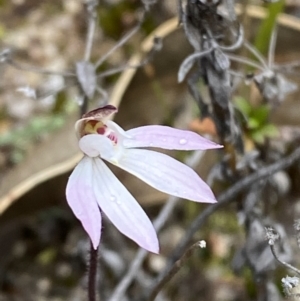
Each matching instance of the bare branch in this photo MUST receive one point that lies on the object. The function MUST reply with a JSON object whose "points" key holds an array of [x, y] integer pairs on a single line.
{"points": [[272, 46], [257, 54], [230, 8], [297, 229], [157, 45], [175, 268], [120, 43], [188, 63], [91, 8], [272, 237], [245, 61], [18, 66]]}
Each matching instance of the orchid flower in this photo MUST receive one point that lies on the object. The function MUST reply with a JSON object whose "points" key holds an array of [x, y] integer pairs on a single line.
{"points": [[92, 188]]}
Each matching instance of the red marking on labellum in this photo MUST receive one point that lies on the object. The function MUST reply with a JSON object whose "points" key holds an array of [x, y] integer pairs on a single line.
{"points": [[113, 137], [101, 130]]}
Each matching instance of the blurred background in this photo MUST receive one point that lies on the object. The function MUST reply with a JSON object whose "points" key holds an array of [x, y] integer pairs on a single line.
{"points": [[43, 248]]}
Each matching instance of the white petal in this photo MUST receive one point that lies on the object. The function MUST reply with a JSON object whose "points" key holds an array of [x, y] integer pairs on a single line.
{"points": [[165, 174], [81, 199], [122, 209], [116, 128], [166, 137], [95, 145]]}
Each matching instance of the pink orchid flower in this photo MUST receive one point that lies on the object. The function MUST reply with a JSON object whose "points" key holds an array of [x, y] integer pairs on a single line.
{"points": [[92, 188]]}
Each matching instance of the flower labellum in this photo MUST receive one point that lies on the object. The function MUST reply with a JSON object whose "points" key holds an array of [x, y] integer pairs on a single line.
{"points": [[93, 187]]}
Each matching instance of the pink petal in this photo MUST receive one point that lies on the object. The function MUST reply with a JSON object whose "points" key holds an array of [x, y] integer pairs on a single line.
{"points": [[167, 138], [122, 209], [81, 199], [165, 174], [116, 128]]}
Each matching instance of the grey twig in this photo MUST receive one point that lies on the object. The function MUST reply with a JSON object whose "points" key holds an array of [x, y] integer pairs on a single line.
{"points": [[257, 54], [272, 46], [287, 265], [91, 6], [120, 43], [174, 269], [272, 237], [157, 45], [188, 63], [230, 8], [159, 222], [141, 253], [18, 66], [244, 60], [225, 198], [297, 229]]}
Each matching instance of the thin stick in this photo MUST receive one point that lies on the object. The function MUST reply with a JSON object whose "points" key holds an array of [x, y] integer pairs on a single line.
{"points": [[18, 66], [245, 61], [119, 44], [272, 47], [173, 271], [230, 8], [287, 265], [91, 5], [257, 54], [141, 254], [122, 68]]}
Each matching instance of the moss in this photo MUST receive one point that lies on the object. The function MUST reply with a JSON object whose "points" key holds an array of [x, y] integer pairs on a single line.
{"points": [[110, 18], [249, 283]]}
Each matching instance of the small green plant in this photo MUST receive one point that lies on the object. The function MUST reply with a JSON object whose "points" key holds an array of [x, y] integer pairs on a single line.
{"points": [[21, 138], [257, 124]]}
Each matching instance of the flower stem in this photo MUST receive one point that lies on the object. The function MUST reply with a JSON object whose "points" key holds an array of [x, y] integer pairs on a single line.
{"points": [[92, 274]]}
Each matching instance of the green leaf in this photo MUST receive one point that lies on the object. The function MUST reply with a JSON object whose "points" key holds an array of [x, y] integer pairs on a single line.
{"points": [[267, 131], [270, 131], [265, 30], [243, 105], [258, 137], [260, 114], [253, 123]]}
